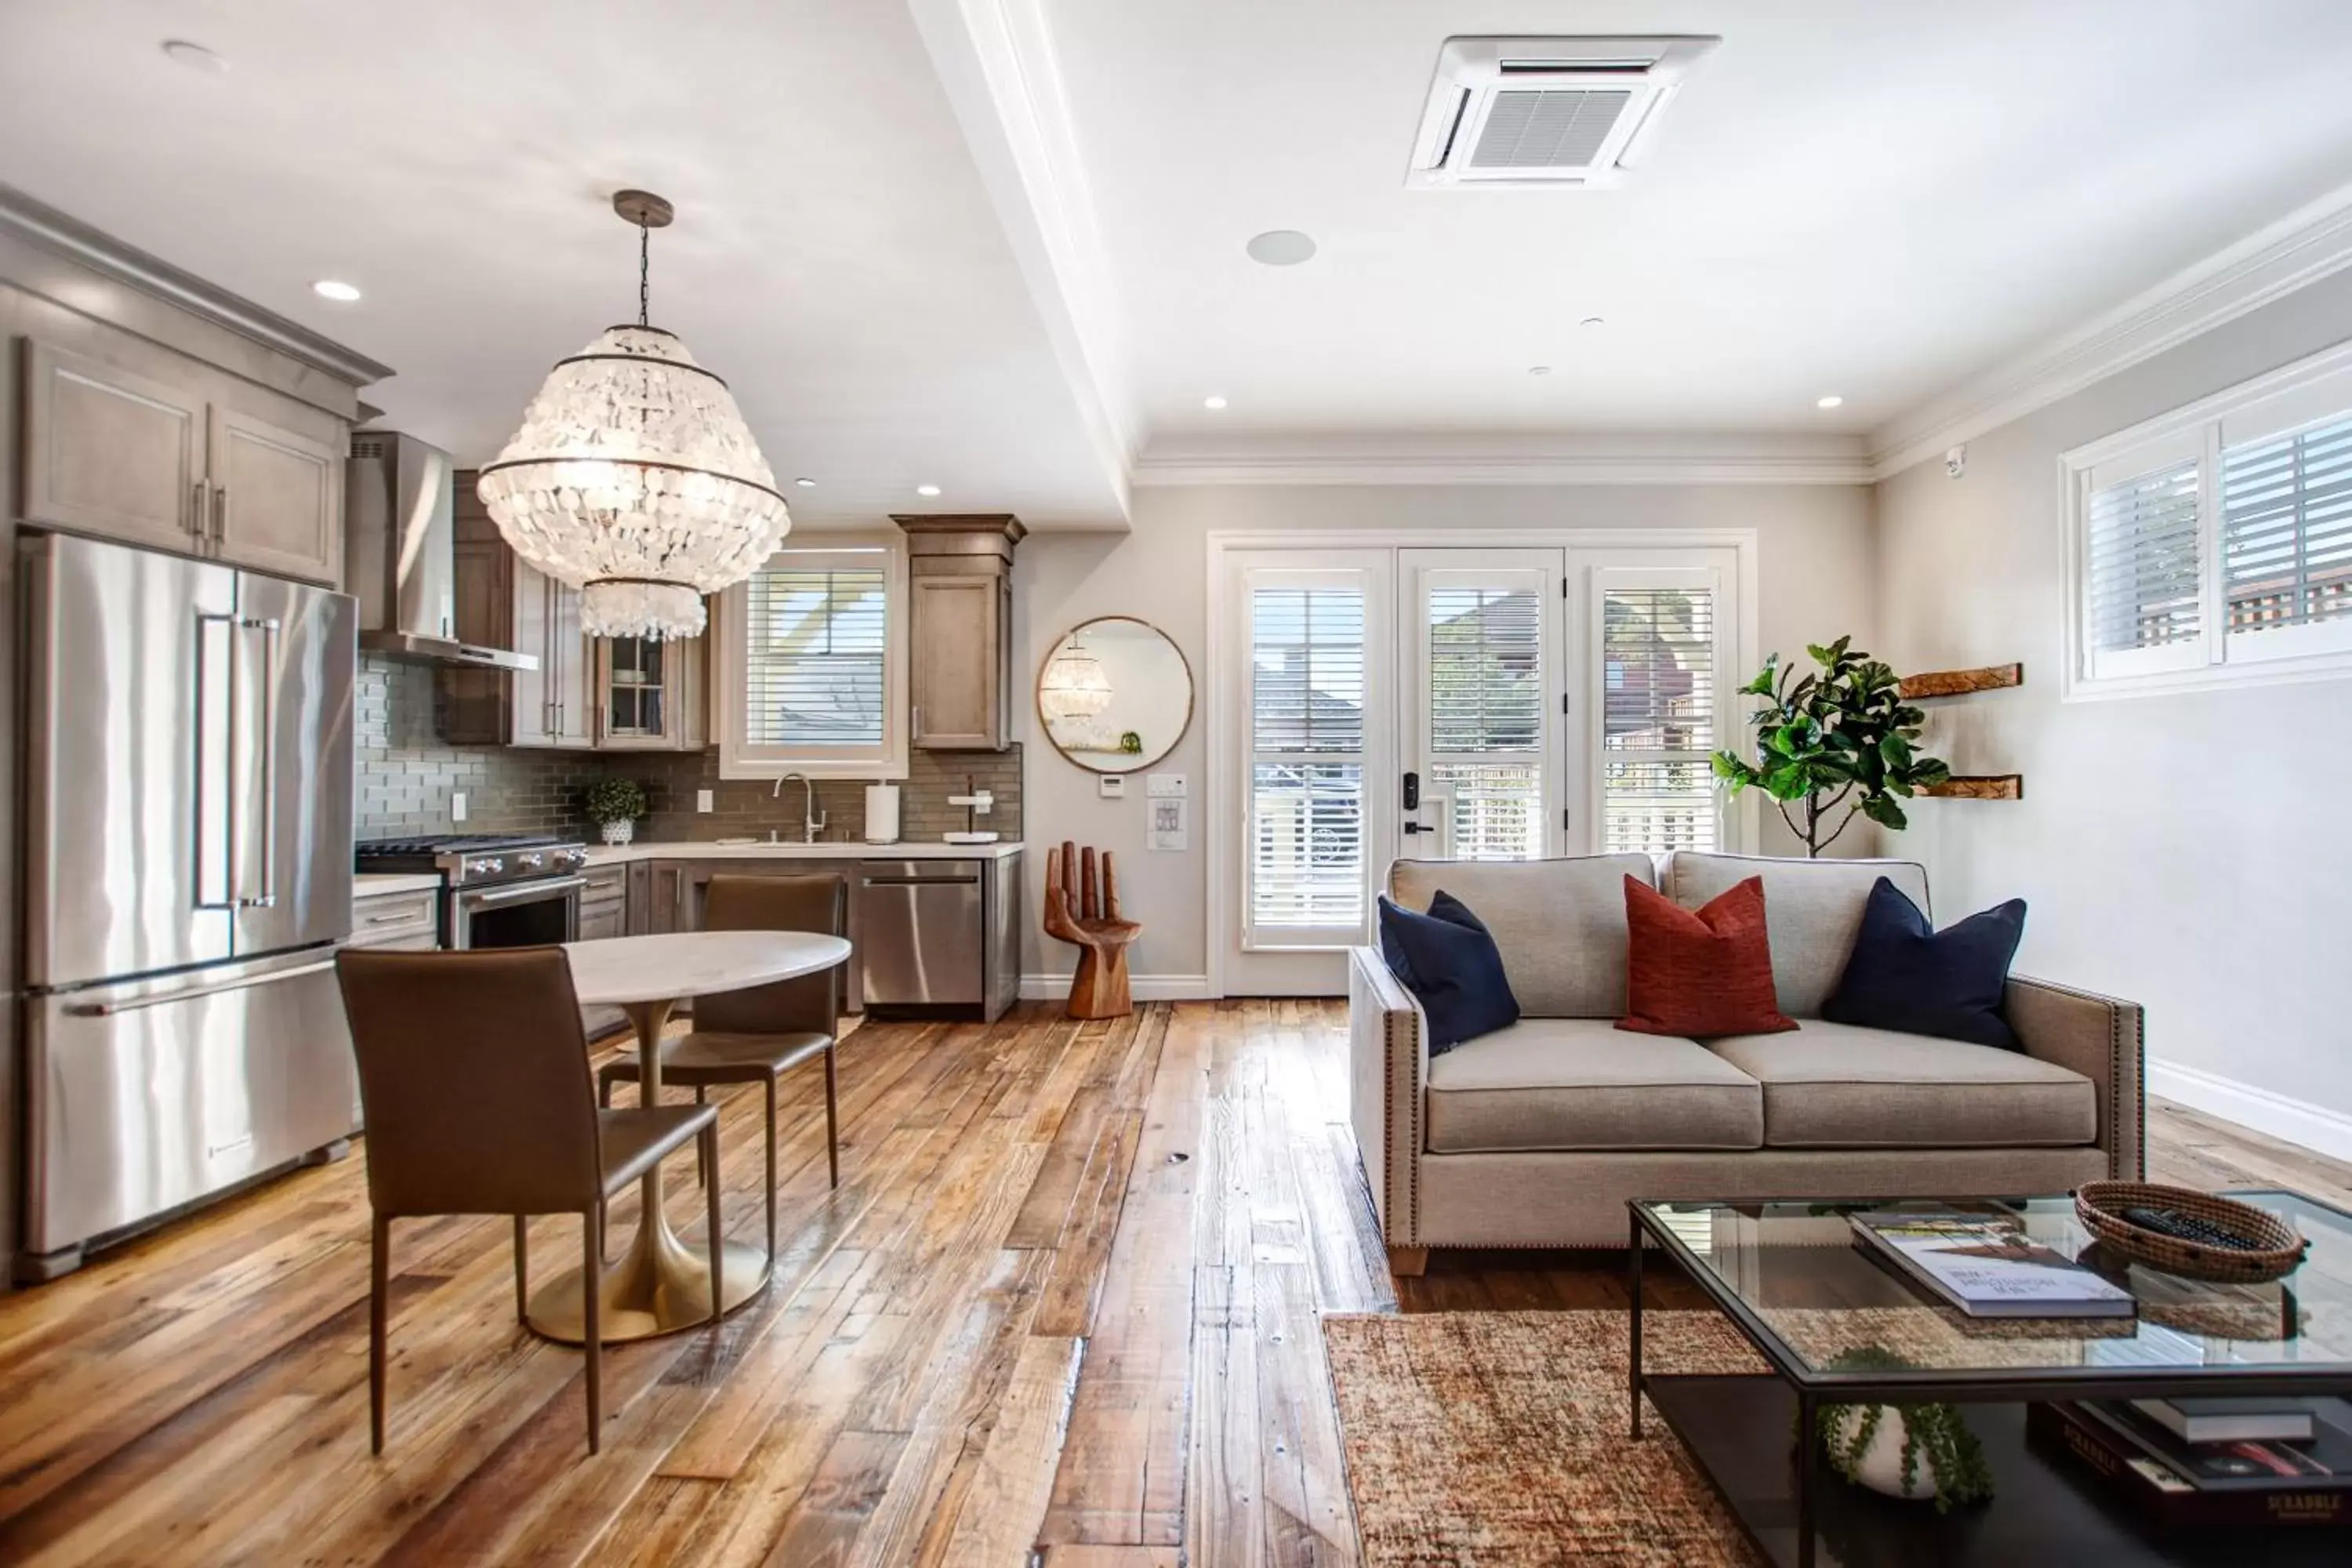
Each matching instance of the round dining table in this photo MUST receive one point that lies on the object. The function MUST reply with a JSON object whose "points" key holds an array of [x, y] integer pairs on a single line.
{"points": [[662, 1283]]}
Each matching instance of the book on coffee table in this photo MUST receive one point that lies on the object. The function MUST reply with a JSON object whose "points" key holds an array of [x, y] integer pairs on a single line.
{"points": [[1984, 1264], [2223, 1484], [2230, 1420]]}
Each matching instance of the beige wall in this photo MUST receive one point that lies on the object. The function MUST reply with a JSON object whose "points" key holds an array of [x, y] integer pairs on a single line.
{"points": [[1813, 583], [2184, 851]]}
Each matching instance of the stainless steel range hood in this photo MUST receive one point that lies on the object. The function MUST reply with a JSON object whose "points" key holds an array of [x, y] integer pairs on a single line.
{"points": [[400, 518]]}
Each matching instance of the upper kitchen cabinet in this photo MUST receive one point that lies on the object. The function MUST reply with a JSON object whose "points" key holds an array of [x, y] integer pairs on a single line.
{"points": [[587, 694], [960, 630], [172, 461]]}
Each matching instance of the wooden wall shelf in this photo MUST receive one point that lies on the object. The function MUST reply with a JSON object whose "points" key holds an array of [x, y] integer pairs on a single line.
{"points": [[1979, 787], [1961, 682]]}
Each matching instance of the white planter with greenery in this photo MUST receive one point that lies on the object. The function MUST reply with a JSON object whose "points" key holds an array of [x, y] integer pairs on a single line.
{"points": [[615, 805]]}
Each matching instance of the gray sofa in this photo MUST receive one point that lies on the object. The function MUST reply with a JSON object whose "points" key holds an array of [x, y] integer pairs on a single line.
{"points": [[1536, 1135]]}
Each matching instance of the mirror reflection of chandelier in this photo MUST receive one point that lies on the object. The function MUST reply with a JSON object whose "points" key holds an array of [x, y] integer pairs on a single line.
{"points": [[633, 476], [1074, 686]]}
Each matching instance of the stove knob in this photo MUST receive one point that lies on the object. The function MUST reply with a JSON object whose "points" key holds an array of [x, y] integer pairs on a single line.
{"points": [[534, 861], [494, 866]]}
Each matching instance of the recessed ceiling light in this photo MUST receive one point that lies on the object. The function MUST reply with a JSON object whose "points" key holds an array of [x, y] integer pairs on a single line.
{"points": [[195, 57], [1594, 322], [1213, 401], [1539, 370], [806, 484], [1831, 401], [334, 288], [927, 490], [1281, 248]]}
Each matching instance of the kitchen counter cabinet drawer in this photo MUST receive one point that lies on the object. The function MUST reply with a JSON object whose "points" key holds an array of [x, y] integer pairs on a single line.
{"points": [[397, 920]]}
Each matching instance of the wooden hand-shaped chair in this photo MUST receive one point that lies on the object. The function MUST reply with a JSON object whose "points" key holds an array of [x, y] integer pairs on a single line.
{"points": [[1077, 911]]}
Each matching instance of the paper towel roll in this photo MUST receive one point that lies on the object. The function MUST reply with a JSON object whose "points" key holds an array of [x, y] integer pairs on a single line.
{"points": [[881, 814]]}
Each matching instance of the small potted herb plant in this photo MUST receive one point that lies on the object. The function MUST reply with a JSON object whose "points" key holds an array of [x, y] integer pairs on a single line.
{"points": [[615, 805], [1903, 1450]]}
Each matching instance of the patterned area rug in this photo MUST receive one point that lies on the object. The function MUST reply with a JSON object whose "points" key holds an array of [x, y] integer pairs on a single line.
{"points": [[1497, 1439]]}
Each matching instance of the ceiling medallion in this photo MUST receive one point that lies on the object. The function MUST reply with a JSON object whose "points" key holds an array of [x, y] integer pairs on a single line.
{"points": [[633, 477]]}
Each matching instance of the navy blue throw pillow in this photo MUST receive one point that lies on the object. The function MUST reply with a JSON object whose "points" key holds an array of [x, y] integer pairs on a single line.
{"points": [[1904, 974], [1448, 959]]}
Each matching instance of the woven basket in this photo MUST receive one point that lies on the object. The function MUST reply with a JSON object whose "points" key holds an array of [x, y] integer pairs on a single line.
{"points": [[2277, 1247]]}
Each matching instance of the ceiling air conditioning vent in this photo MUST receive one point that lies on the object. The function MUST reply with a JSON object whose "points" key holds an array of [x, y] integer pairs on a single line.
{"points": [[1547, 112]]}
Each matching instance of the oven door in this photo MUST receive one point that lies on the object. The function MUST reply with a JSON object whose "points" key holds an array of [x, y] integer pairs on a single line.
{"points": [[515, 914]]}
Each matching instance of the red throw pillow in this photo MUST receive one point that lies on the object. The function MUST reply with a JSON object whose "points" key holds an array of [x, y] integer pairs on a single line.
{"points": [[1703, 972]]}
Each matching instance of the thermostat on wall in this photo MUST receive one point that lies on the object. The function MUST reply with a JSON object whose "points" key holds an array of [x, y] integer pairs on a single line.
{"points": [[1111, 786]]}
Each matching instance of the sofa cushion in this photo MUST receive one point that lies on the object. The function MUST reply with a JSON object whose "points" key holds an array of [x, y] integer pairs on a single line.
{"points": [[1813, 910], [1839, 1086], [1446, 958], [1559, 924], [1701, 973], [1578, 1083], [1906, 974]]}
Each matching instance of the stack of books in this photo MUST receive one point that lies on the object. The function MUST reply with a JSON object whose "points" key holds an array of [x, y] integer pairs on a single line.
{"points": [[2203, 1462], [1983, 1263]]}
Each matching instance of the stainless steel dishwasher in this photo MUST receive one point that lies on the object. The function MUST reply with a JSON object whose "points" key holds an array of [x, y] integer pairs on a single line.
{"points": [[923, 927]]}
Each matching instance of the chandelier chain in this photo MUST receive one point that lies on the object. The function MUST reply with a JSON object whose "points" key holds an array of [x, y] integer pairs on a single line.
{"points": [[645, 271]]}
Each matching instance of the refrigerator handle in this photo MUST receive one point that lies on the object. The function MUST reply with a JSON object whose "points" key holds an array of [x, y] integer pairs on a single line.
{"points": [[268, 629], [225, 739], [194, 993]]}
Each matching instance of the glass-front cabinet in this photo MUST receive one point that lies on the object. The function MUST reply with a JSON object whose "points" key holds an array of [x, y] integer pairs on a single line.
{"points": [[650, 695]]}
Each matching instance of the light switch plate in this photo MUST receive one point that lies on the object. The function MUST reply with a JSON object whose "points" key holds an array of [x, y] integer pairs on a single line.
{"points": [[1171, 825], [1111, 786], [1170, 786], [702, 801], [456, 806]]}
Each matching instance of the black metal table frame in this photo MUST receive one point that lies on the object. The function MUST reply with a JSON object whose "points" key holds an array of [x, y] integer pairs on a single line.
{"points": [[1986, 1385]]}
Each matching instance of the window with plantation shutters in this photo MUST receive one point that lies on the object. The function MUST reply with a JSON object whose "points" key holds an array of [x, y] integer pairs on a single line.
{"points": [[1484, 704], [2215, 545], [811, 678], [2287, 534], [1307, 856], [1658, 708]]}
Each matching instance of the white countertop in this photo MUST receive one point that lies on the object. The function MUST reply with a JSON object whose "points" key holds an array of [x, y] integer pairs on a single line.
{"points": [[703, 849], [366, 884], [618, 970]]}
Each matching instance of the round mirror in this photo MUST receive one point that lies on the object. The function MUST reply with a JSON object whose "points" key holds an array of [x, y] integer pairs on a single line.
{"points": [[1115, 695]]}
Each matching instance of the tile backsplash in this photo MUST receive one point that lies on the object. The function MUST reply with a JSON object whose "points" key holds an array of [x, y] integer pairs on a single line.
{"points": [[407, 773]]}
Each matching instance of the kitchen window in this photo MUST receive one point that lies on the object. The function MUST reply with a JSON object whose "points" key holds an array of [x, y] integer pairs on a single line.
{"points": [[2213, 546], [812, 666]]}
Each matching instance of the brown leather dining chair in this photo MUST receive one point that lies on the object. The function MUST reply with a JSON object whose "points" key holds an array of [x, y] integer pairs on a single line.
{"points": [[759, 1035], [474, 1082]]}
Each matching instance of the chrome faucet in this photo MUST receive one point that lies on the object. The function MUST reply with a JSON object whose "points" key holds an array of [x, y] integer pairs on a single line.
{"points": [[812, 819]]}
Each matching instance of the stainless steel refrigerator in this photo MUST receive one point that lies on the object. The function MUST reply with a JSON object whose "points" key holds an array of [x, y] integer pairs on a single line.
{"points": [[187, 877]]}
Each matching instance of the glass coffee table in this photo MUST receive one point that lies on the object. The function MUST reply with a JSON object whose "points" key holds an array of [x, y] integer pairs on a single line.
{"points": [[1792, 1279]]}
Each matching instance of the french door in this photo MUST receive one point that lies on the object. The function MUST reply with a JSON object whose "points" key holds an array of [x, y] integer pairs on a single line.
{"points": [[1503, 703]]}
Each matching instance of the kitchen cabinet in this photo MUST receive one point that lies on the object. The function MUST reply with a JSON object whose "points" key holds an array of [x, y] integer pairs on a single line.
{"points": [[603, 911], [960, 630], [409, 921], [617, 694], [650, 695], [156, 462]]}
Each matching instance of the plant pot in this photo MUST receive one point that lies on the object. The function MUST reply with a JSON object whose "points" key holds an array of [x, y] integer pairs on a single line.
{"points": [[1880, 1465], [622, 832]]}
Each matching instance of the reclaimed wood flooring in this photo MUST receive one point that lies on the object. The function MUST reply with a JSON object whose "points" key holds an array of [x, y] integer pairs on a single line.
{"points": [[1062, 1309]]}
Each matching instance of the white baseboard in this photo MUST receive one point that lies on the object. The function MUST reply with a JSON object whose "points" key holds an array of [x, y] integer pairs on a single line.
{"points": [[1146, 988], [2298, 1122]]}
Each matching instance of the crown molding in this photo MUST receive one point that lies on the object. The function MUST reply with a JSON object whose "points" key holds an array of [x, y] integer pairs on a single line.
{"points": [[2308, 244], [1403, 459], [36, 223], [996, 60]]}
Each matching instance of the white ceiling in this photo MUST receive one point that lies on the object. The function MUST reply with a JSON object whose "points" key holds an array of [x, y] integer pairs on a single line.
{"points": [[997, 245], [836, 257], [1849, 196]]}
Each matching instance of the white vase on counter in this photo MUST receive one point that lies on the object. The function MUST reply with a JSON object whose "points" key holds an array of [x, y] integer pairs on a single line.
{"points": [[622, 832]]}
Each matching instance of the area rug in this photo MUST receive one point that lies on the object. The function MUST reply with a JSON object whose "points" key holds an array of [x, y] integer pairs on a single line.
{"points": [[1497, 1439]]}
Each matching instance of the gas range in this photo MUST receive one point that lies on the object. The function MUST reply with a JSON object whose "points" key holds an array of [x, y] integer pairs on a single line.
{"points": [[476, 859]]}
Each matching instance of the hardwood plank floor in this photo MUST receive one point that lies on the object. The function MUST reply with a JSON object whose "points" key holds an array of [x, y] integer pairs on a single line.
{"points": [[1062, 1309]]}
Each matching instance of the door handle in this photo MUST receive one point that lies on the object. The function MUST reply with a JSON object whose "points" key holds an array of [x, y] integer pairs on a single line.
{"points": [[268, 629], [220, 514], [196, 511], [194, 993], [531, 891]]}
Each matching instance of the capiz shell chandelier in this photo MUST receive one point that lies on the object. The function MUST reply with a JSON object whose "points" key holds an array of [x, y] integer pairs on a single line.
{"points": [[1074, 685], [633, 477]]}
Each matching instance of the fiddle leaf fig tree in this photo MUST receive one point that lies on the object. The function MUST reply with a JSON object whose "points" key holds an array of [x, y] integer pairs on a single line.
{"points": [[1832, 743]]}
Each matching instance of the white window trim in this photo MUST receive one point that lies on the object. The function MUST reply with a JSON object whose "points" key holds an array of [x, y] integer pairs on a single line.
{"points": [[2310, 392], [1221, 809], [739, 760]]}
